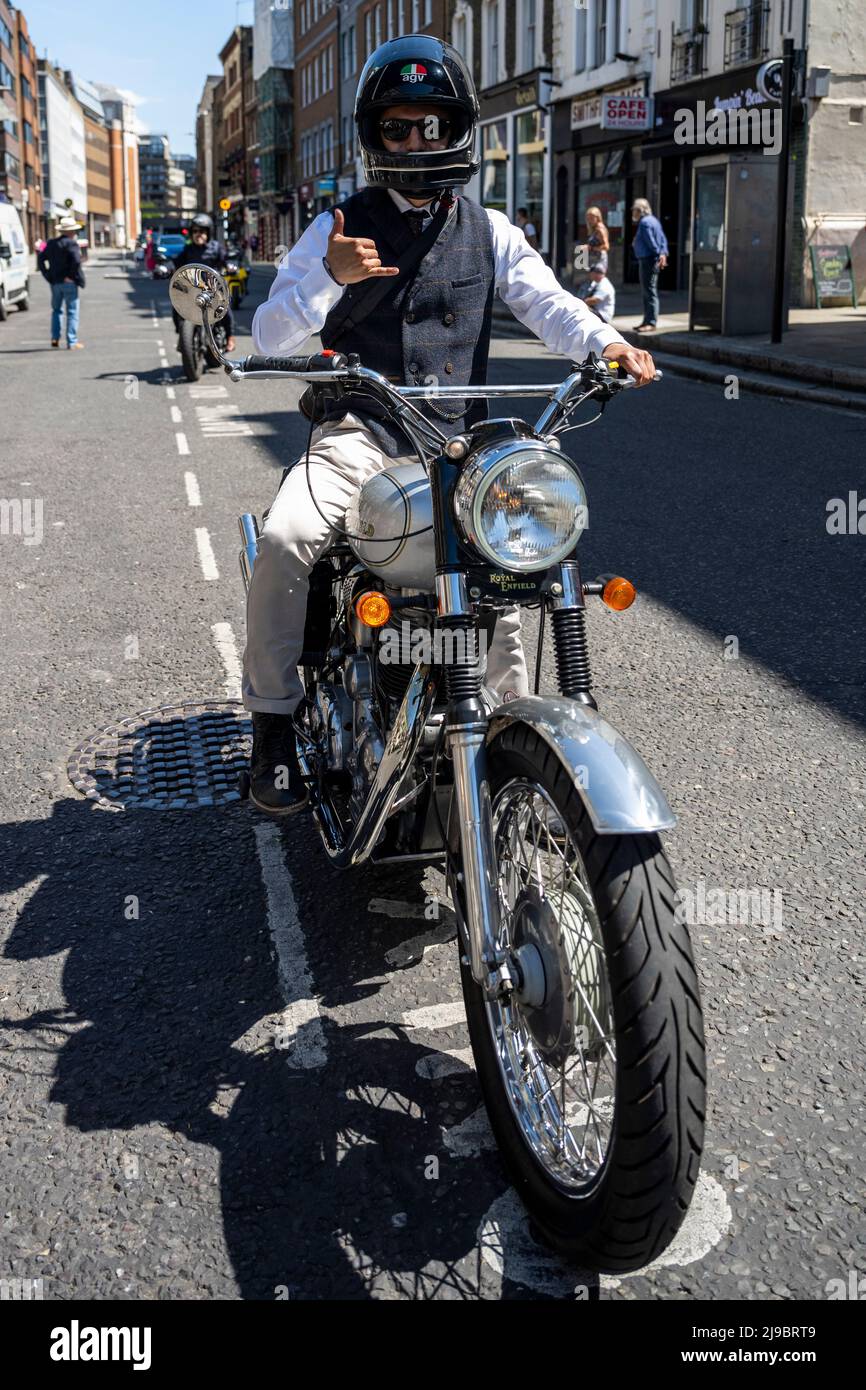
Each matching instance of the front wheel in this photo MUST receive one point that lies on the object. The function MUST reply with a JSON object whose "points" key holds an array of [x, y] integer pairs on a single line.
{"points": [[191, 350], [593, 1071]]}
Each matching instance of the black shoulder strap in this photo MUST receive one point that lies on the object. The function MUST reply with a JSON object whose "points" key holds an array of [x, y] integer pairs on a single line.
{"points": [[344, 317]]}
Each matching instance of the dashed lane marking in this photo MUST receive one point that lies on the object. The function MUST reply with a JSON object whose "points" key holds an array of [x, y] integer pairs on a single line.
{"points": [[170, 393], [228, 650], [301, 1036], [193, 495], [182, 444], [176, 416], [206, 556]]}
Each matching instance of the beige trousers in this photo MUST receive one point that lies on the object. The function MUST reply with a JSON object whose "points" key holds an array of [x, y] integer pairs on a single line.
{"points": [[343, 455]]}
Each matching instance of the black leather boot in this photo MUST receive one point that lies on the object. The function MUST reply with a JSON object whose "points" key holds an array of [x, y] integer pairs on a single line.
{"points": [[275, 779]]}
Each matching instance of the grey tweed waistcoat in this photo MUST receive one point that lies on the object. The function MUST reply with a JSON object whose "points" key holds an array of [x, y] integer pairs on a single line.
{"points": [[433, 325]]}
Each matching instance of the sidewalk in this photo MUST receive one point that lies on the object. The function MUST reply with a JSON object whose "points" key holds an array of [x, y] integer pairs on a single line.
{"points": [[821, 358]]}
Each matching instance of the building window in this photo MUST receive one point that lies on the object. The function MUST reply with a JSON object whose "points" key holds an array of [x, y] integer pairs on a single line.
{"points": [[428, 13], [6, 34], [28, 133], [600, 33], [494, 165], [529, 168], [529, 33], [491, 14], [579, 40], [416, 22], [368, 33], [378, 25], [330, 67]]}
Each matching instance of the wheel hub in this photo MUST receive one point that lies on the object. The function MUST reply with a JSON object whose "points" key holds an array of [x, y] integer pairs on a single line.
{"points": [[546, 993]]}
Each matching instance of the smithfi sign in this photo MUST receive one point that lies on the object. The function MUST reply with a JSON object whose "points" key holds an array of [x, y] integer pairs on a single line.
{"points": [[619, 112]]}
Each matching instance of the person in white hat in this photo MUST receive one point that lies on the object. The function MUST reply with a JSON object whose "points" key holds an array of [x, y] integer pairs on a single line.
{"points": [[60, 263]]}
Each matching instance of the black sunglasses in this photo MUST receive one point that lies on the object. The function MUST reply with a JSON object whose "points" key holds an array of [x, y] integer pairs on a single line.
{"points": [[395, 128]]}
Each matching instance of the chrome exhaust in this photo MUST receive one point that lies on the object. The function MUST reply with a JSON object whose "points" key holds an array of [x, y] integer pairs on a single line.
{"points": [[249, 529]]}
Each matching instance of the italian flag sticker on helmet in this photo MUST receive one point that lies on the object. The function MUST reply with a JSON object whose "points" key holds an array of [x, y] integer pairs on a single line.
{"points": [[413, 72]]}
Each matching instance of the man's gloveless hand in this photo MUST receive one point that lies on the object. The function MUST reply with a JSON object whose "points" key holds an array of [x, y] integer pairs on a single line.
{"points": [[353, 258]]}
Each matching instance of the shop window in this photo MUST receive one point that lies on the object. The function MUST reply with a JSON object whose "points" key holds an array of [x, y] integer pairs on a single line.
{"points": [[529, 168], [494, 165]]}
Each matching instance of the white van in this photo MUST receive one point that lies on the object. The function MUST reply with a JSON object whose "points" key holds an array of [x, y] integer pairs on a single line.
{"points": [[14, 262]]}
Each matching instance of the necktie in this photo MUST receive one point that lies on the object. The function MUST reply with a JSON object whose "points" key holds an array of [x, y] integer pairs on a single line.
{"points": [[415, 221]]}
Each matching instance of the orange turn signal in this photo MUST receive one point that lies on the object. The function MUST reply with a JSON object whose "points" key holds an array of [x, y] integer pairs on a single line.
{"points": [[619, 593], [373, 609]]}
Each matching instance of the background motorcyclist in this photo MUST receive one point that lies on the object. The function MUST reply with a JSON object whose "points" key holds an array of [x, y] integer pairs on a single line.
{"points": [[203, 249], [416, 113]]}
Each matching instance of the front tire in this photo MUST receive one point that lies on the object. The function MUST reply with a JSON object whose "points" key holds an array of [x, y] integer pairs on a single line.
{"points": [[191, 353], [596, 1094]]}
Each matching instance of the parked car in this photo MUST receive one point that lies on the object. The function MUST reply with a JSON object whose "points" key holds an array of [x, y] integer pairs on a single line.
{"points": [[14, 262]]}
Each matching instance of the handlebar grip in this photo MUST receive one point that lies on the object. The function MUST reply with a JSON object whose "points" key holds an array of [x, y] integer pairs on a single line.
{"points": [[317, 362]]}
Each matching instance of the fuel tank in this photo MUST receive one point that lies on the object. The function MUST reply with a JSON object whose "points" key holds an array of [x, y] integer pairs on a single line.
{"points": [[382, 519]]}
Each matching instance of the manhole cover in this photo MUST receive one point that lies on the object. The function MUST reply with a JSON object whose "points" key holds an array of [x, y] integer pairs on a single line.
{"points": [[166, 759]]}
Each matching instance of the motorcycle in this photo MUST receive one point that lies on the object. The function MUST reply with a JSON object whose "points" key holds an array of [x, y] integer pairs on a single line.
{"points": [[196, 352], [579, 984], [236, 275], [163, 268]]}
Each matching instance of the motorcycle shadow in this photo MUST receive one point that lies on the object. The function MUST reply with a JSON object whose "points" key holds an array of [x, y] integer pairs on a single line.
{"points": [[339, 1181]]}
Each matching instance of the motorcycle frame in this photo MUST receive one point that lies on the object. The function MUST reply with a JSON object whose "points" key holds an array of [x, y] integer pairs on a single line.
{"points": [[619, 792]]}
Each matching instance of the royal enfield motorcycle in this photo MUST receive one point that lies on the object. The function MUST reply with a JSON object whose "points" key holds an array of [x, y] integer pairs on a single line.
{"points": [[580, 988]]}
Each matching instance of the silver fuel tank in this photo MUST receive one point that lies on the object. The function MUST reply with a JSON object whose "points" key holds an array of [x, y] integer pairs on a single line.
{"points": [[390, 506]]}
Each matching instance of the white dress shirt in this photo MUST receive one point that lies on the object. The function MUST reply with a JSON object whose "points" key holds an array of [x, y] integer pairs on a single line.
{"points": [[302, 293]]}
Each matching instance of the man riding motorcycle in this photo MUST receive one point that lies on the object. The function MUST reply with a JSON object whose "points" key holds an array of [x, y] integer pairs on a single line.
{"points": [[202, 249], [416, 113]]}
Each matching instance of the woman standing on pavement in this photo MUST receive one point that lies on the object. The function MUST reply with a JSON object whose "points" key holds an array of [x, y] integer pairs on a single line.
{"points": [[598, 240]]}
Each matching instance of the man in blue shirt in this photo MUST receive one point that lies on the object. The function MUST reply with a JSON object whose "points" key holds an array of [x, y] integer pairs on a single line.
{"points": [[650, 247]]}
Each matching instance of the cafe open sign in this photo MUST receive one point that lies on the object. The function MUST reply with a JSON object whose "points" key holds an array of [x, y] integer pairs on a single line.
{"points": [[626, 113]]}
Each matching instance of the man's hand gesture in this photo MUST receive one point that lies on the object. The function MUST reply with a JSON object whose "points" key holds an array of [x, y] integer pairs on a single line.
{"points": [[353, 258]]}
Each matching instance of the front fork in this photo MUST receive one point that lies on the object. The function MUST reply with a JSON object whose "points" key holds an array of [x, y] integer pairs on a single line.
{"points": [[493, 969], [466, 740]]}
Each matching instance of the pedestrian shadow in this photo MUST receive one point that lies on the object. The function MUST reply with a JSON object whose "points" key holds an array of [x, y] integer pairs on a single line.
{"points": [[335, 1182]]}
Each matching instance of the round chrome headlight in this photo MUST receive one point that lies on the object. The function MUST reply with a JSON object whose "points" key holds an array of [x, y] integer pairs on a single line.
{"points": [[522, 504]]}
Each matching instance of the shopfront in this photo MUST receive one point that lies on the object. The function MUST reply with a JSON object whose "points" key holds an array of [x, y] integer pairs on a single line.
{"points": [[515, 151], [687, 130], [596, 166]]}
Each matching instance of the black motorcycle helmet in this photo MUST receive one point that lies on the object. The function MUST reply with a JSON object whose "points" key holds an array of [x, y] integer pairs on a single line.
{"points": [[201, 223], [417, 69]]}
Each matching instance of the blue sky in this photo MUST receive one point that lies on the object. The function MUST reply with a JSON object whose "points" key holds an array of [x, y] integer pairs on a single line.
{"points": [[161, 51]]}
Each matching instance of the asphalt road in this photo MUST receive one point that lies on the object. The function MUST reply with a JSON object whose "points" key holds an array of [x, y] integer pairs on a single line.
{"points": [[160, 1139]]}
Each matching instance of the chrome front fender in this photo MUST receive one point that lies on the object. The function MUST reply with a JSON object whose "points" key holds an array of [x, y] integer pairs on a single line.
{"points": [[617, 788]]}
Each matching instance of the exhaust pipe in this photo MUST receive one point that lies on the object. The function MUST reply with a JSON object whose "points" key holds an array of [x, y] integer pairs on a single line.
{"points": [[249, 529]]}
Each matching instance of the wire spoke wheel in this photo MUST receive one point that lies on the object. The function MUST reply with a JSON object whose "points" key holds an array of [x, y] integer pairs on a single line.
{"points": [[592, 1068], [557, 1055]]}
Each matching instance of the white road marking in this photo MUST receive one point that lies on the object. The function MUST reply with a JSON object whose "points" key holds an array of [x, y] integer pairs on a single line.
{"points": [[170, 393], [193, 495], [302, 1035], [182, 444], [159, 342], [206, 390], [508, 1248], [222, 418], [176, 416], [414, 949], [471, 1136], [205, 553], [445, 1063], [228, 650], [434, 1016], [392, 907]]}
